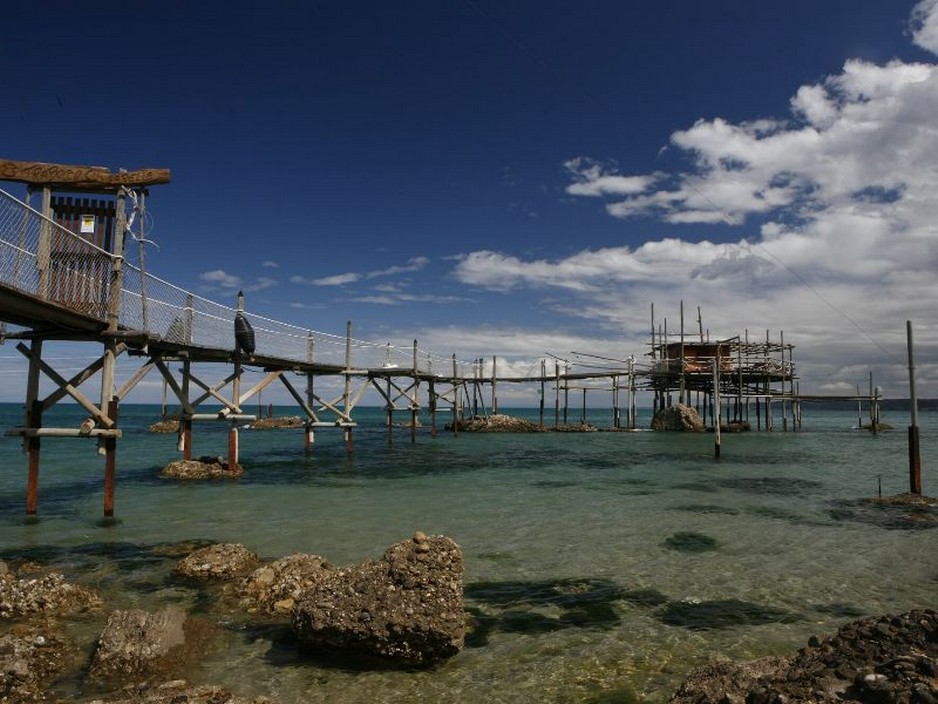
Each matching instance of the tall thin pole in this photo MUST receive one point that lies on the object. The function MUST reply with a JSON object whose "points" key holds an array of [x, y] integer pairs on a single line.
{"points": [[716, 404], [915, 459]]}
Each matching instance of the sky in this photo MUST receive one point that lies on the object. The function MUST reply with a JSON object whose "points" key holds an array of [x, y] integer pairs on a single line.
{"points": [[517, 179]]}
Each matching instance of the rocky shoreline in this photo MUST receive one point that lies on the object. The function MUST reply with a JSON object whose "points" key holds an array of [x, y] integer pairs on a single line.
{"points": [[406, 607]]}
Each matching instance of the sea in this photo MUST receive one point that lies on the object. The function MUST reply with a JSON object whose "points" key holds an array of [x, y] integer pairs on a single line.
{"points": [[599, 566]]}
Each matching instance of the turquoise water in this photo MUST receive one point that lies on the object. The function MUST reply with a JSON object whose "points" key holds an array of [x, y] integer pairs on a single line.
{"points": [[598, 566]]}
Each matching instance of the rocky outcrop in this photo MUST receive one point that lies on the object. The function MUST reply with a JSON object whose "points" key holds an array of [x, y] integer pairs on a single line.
{"points": [[407, 606], [49, 595], [678, 418], [202, 468], [887, 659], [138, 644], [166, 425], [215, 562], [278, 422], [274, 589], [497, 423]]}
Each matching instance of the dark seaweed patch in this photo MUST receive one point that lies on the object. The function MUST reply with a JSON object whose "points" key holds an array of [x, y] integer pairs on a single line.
{"points": [[706, 509], [645, 597], [726, 613], [554, 483], [698, 486], [778, 486], [771, 512], [839, 609], [892, 516], [519, 606], [689, 541]]}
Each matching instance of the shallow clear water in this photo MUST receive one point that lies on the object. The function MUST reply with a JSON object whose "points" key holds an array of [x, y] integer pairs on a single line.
{"points": [[596, 564]]}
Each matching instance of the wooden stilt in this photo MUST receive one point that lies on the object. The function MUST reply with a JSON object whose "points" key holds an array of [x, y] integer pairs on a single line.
{"points": [[110, 463]]}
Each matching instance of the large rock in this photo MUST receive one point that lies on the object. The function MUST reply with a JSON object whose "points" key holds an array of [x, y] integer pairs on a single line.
{"points": [[202, 468], [887, 659], [138, 643], [274, 589], [678, 418], [407, 606], [497, 423], [215, 562]]}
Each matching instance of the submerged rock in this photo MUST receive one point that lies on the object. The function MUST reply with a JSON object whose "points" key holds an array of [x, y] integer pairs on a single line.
{"points": [[407, 606], [139, 644], [177, 692], [678, 418], [31, 657], [222, 561], [877, 659]]}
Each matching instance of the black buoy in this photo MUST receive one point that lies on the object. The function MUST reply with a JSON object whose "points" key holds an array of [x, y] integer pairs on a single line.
{"points": [[244, 333]]}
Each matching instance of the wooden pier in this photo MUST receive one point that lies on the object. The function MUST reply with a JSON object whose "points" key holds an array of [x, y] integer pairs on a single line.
{"points": [[64, 276]]}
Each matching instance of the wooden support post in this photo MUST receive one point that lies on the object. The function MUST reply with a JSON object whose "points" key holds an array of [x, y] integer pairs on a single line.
{"points": [[455, 400], [33, 419], [389, 408], [543, 383], [432, 401], [349, 446], [414, 403], [915, 458], [494, 381], [556, 395], [309, 435], [233, 429], [110, 462], [185, 422], [716, 404]]}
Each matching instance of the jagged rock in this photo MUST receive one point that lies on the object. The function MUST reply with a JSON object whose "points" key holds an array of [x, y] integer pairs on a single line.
{"points": [[166, 425], [177, 692], [497, 423], [49, 595], [678, 418], [281, 422], [139, 644], [890, 659], [275, 588], [222, 561], [202, 468], [406, 606], [31, 657]]}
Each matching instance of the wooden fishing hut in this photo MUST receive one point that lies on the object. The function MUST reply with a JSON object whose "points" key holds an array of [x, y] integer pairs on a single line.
{"points": [[736, 371], [62, 279]]}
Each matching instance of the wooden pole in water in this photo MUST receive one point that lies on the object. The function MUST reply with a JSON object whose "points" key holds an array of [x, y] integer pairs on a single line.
{"points": [[455, 400], [347, 388], [33, 420], [716, 404], [309, 435], [556, 394], [110, 463], [413, 401], [915, 459], [543, 382]]}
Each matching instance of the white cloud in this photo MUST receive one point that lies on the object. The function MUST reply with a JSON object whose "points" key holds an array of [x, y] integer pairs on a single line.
{"points": [[337, 280], [270, 265], [415, 264], [220, 278], [924, 24]]}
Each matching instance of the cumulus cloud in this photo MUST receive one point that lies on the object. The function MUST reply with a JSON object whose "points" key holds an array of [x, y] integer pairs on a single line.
{"points": [[221, 279], [924, 25]]}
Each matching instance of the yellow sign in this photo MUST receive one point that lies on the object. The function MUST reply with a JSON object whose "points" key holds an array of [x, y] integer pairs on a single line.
{"points": [[87, 224]]}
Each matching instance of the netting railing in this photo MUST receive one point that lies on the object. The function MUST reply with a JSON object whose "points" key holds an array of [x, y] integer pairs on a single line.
{"points": [[39, 257]]}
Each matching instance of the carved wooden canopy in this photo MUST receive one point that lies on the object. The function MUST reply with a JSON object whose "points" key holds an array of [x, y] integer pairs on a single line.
{"points": [[79, 178]]}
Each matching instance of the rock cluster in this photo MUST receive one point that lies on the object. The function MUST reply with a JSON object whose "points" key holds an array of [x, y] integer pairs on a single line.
{"points": [[678, 418], [166, 425], [202, 468], [887, 659], [406, 606], [30, 656]]}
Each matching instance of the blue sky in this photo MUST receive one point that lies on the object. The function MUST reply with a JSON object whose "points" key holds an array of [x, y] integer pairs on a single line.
{"points": [[518, 178]]}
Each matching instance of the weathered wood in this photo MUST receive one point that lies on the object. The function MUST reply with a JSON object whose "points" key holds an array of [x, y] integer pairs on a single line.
{"points": [[82, 178], [110, 462], [63, 433]]}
